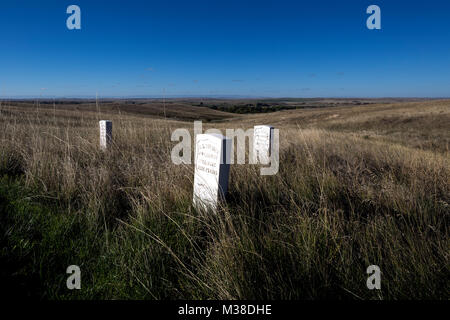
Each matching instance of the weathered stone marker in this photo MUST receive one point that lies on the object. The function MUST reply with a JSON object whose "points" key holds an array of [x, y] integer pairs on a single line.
{"points": [[212, 168], [262, 143], [105, 133]]}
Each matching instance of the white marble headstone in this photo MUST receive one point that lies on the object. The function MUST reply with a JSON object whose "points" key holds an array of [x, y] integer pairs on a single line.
{"points": [[212, 168], [262, 143], [105, 133]]}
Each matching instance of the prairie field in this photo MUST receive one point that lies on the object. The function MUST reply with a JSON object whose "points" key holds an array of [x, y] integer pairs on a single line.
{"points": [[359, 184]]}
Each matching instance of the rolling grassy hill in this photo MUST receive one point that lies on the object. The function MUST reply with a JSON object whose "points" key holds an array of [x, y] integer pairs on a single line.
{"points": [[359, 184]]}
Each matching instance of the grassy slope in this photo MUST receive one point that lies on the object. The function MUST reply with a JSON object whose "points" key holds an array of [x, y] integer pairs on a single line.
{"points": [[357, 186]]}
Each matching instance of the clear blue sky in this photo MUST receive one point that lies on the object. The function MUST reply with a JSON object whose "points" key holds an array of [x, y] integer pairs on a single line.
{"points": [[225, 48]]}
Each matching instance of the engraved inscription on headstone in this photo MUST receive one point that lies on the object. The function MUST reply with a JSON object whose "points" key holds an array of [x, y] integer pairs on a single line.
{"points": [[212, 168], [262, 143], [105, 133]]}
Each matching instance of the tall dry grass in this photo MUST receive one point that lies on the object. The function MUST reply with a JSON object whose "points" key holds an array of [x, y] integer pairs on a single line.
{"points": [[340, 203]]}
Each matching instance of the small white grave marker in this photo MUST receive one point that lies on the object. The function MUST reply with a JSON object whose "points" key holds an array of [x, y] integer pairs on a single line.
{"points": [[105, 133], [212, 168], [262, 143]]}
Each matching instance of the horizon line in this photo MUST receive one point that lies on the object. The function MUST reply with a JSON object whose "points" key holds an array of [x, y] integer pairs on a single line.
{"points": [[138, 97]]}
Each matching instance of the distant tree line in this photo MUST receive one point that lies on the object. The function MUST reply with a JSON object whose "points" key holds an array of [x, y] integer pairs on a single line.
{"points": [[251, 108]]}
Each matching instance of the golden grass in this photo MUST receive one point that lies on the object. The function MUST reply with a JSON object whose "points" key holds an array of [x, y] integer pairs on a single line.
{"points": [[357, 186]]}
